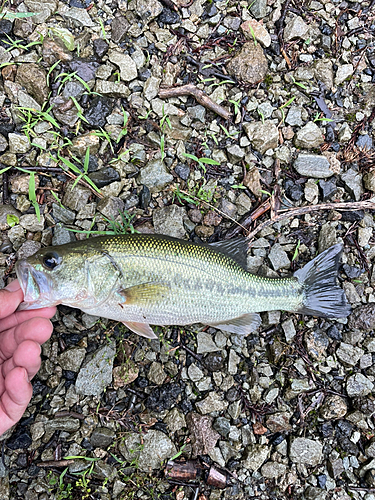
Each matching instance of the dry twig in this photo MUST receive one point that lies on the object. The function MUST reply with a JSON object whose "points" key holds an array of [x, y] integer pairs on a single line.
{"points": [[294, 212], [200, 96]]}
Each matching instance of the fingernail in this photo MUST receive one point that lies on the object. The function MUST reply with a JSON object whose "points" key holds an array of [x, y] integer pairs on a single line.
{"points": [[13, 286], [26, 376]]}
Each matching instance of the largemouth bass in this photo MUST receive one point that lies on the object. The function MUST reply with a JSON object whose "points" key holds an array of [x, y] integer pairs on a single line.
{"points": [[153, 279]]}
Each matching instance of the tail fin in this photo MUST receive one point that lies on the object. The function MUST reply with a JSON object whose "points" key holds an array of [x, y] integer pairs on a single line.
{"points": [[322, 296]]}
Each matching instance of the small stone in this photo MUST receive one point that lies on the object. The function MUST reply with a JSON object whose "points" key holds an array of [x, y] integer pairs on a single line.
{"points": [[18, 143], [222, 426], [358, 385], [263, 136], [363, 318], [61, 235], [96, 375], [34, 78], [205, 343], [124, 374], [306, 451], [111, 89], [100, 108], [203, 436], [273, 470], [289, 330], [253, 28], [63, 214], [54, 50], [364, 142], [343, 72], [102, 437], [175, 420], [156, 373], [328, 188], [170, 221], [294, 116], [155, 176], [72, 359], [28, 248], [111, 207], [100, 47], [6, 210], [83, 142], [316, 343], [120, 28], [335, 468], [157, 447], [151, 87], [295, 28], [233, 361], [252, 181], [149, 9], [258, 8], [353, 181], [348, 354], [309, 136], [369, 180], [75, 197], [250, 64], [78, 17], [314, 166], [279, 422], [195, 373], [211, 403], [104, 177], [30, 222], [334, 407], [62, 424], [256, 455], [126, 64], [278, 257]]}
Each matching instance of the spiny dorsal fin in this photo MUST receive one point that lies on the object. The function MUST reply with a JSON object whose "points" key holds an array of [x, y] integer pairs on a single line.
{"points": [[243, 325], [235, 249]]}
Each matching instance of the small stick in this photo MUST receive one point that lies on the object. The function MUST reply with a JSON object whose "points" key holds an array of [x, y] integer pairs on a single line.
{"points": [[56, 463], [293, 212], [199, 95]]}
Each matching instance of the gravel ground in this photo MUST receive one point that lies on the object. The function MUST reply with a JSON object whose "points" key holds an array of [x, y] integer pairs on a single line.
{"points": [[278, 114]]}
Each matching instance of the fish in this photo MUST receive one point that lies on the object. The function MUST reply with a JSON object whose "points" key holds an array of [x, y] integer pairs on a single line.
{"points": [[150, 279]]}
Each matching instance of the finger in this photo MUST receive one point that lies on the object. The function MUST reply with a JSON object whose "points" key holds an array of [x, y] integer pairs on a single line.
{"points": [[21, 316], [37, 329], [15, 398], [10, 299], [27, 355]]}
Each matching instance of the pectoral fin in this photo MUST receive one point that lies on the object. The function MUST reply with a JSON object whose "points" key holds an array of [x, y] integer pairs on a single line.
{"points": [[142, 329], [143, 294], [243, 325]]}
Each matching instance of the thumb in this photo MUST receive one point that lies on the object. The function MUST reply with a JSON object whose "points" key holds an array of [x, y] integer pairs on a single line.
{"points": [[10, 298]]}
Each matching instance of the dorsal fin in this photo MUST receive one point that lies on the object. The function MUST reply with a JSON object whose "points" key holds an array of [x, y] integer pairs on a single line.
{"points": [[236, 249]]}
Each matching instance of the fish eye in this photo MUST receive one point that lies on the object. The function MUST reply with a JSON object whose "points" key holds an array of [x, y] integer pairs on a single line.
{"points": [[51, 260]]}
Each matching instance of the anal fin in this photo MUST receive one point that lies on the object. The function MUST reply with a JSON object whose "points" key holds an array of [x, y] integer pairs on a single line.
{"points": [[142, 329], [243, 325]]}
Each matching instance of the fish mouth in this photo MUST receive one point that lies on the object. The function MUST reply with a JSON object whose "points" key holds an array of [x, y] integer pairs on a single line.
{"points": [[36, 287]]}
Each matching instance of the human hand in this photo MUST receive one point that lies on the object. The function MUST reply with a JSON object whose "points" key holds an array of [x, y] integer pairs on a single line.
{"points": [[21, 335]]}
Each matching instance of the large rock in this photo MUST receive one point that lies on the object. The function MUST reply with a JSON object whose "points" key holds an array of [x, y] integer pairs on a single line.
{"points": [[155, 176], [250, 64], [263, 136], [96, 375], [314, 166]]}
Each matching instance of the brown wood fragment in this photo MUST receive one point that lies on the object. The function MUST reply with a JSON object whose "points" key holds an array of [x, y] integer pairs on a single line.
{"points": [[199, 95]]}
